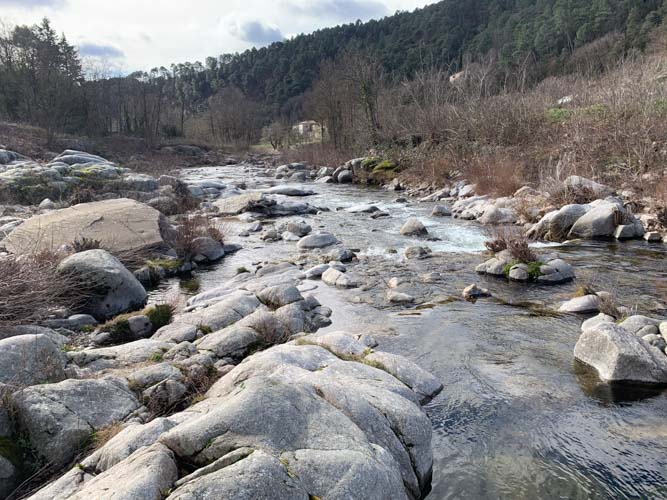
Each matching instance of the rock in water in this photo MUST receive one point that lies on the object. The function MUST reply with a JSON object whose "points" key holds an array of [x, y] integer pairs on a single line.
{"points": [[247, 202], [319, 240], [620, 356], [119, 225], [413, 227], [113, 289]]}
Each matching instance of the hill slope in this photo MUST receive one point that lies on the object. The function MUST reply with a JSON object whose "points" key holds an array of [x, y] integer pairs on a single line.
{"points": [[440, 35]]}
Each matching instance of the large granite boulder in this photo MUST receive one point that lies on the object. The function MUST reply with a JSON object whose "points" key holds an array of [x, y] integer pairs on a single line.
{"points": [[618, 355], [556, 225], [30, 359], [120, 225], [60, 418], [111, 287], [599, 222]]}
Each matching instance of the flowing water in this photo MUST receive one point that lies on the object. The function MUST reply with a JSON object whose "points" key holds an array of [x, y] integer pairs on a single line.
{"points": [[518, 418]]}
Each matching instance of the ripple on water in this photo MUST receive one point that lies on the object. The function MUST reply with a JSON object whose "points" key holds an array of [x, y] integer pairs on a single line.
{"points": [[517, 418]]}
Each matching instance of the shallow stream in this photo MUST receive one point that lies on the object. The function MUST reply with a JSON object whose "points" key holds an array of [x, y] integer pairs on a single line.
{"points": [[517, 418]]}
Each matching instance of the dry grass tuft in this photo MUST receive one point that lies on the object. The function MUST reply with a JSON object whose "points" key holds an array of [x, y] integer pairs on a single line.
{"points": [[512, 239], [31, 288]]}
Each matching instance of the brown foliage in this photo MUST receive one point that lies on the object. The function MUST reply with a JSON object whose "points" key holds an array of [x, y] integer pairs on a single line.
{"points": [[512, 239], [31, 288], [191, 228]]}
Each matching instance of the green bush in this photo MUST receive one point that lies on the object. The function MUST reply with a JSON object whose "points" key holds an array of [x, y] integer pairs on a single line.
{"points": [[160, 315], [385, 166], [559, 115]]}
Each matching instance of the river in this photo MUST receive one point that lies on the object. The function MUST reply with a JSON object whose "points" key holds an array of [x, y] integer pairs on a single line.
{"points": [[517, 418]]}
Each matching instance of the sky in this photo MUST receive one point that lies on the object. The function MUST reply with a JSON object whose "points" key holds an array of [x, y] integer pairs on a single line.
{"points": [[141, 34]]}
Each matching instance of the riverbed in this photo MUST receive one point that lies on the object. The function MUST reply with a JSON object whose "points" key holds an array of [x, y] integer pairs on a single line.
{"points": [[518, 418]]}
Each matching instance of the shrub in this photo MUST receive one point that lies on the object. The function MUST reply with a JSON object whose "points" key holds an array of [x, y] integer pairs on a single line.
{"points": [[31, 288], [83, 244], [190, 286], [512, 239], [160, 315], [191, 228]]}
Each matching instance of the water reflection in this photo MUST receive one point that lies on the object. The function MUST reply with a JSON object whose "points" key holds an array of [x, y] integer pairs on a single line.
{"points": [[613, 393]]}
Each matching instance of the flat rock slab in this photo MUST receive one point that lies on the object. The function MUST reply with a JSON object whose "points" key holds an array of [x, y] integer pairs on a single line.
{"points": [[120, 225]]}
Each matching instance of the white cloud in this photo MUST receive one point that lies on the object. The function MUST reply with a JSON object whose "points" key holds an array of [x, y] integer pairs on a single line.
{"points": [[151, 33]]}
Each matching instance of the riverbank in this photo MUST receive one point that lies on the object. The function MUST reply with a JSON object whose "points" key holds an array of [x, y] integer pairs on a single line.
{"points": [[506, 356]]}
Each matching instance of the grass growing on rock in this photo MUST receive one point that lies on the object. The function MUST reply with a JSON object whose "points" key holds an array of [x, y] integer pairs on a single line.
{"points": [[160, 315]]}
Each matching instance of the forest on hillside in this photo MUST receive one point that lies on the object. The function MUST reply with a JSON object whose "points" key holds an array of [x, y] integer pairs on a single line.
{"points": [[230, 98]]}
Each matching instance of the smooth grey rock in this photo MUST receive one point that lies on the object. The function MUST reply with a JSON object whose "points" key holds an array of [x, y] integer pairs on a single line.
{"points": [[625, 232], [316, 272], [153, 374], [441, 211], [299, 229], [9, 477], [140, 325], [556, 225], [318, 240], [247, 202], [207, 249], [259, 476], [655, 341], [620, 356], [235, 341], [120, 356], [289, 191], [475, 292], [556, 271], [74, 322], [115, 289], [425, 385], [600, 222], [176, 332], [345, 177], [413, 227], [341, 344], [596, 320], [395, 297], [519, 272], [581, 305], [334, 277], [653, 237], [417, 253], [60, 418], [634, 324], [221, 314], [30, 359], [278, 296]]}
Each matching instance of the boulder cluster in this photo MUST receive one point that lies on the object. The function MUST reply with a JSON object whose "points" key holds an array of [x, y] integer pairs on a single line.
{"points": [[195, 411]]}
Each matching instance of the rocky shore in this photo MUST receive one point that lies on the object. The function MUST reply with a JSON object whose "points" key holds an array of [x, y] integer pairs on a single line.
{"points": [[245, 390]]}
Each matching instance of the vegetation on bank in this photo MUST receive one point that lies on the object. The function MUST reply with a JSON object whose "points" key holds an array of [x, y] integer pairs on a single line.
{"points": [[502, 93]]}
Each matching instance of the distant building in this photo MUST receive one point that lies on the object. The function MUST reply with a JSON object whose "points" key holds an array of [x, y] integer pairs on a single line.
{"points": [[309, 130]]}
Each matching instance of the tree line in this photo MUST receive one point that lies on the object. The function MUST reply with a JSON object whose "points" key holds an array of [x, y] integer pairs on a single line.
{"points": [[230, 98]]}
